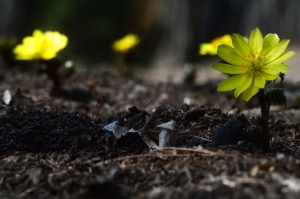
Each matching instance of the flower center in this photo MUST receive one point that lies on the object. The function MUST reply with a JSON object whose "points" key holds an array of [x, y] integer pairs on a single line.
{"points": [[251, 63]]}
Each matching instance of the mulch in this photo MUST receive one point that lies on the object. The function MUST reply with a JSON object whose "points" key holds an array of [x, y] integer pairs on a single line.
{"points": [[53, 143]]}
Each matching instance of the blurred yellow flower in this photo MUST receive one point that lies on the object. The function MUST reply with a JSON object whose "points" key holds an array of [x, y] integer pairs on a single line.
{"points": [[41, 45], [211, 48], [126, 43]]}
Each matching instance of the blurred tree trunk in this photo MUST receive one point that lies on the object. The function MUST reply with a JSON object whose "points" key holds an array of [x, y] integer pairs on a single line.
{"points": [[191, 22], [16, 15]]}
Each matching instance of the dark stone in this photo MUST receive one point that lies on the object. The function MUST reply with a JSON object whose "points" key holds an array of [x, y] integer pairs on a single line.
{"points": [[229, 133]]}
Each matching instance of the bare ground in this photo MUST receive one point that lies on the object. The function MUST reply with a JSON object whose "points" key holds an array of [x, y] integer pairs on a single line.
{"points": [[53, 145]]}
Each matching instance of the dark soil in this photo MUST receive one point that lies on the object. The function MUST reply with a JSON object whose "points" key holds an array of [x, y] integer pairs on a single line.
{"points": [[53, 145]]}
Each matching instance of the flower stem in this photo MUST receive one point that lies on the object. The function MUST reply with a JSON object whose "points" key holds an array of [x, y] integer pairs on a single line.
{"points": [[265, 136], [52, 66]]}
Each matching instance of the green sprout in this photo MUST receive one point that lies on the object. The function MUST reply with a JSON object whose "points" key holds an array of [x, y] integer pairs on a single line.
{"points": [[251, 65], [275, 96]]}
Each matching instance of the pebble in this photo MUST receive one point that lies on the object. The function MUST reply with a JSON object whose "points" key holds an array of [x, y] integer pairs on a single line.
{"points": [[229, 133]]}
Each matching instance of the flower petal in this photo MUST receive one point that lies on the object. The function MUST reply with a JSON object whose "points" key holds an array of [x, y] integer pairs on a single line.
{"points": [[24, 52], [282, 58], [269, 77], [274, 69], [228, 54], [256, 40], [227, 68], [243, 85], [276, 51], [48, 54], [259, 81], [250, 92], [37, 34], [231, 83], [240, 45], [270, 41]]}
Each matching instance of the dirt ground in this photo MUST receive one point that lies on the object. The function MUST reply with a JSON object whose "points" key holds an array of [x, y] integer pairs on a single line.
{"points": [[56, 144]]}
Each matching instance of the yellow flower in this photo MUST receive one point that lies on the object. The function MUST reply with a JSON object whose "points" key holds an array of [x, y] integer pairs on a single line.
{"points": [[253, 63], [41, 45], [211, 48], [126, 43]]}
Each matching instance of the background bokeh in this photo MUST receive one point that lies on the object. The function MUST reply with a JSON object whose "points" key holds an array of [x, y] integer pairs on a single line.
{"points": [[170, 30]]}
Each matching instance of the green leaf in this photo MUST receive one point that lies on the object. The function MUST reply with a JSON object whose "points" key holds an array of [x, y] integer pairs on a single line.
{"points": [[275, 96]]}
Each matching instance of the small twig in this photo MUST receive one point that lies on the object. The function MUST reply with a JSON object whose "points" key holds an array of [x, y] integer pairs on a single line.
{"points": [[289, 148], [96, 109], [185, 162], [200, 150], [208, 140], [143, 108], [157, 112], [203, 151]]}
